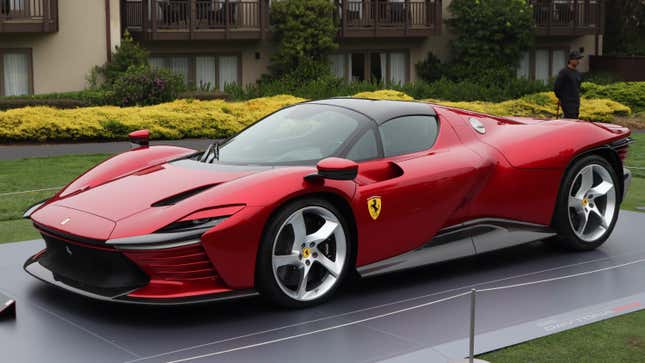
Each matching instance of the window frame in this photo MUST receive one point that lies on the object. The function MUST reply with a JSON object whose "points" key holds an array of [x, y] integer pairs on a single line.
{"points": [[365, 123], [191, 82], [367, 64], [434, 142], [30, 68], [551, 48], [344, 153]]}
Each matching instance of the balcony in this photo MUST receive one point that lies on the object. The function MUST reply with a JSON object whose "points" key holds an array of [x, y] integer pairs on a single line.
{"points": [[568, 17], [28, 16], [389, 18], [195, 19]]}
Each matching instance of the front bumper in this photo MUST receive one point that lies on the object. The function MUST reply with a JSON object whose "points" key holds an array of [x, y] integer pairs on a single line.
{"points": [[171, 276], [38, 271]]}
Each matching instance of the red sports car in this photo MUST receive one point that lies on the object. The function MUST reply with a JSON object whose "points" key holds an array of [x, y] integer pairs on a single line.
{"points": [[310, 194]]}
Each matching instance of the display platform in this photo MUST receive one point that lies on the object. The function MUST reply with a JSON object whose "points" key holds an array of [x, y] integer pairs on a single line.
{"points": [[386, 318]]}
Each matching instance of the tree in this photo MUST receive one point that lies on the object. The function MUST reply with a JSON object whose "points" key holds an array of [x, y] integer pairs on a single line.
{"points": [[305, 31], [491, 36], [624, 27]]}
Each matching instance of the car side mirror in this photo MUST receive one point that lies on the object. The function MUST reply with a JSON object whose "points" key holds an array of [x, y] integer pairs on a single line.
{"points": [[335, 169], [139, 138]]}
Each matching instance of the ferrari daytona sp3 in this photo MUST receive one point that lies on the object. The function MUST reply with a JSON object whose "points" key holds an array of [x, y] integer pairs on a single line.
{"points": [[315, 192]]}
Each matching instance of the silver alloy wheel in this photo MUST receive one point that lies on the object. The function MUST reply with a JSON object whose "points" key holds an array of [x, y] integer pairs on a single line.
{"points": [[592, 202], [323, 250]]}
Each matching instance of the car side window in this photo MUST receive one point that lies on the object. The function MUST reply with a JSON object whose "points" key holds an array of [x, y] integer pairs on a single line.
{"points": [[408, 134], [365, 148]]}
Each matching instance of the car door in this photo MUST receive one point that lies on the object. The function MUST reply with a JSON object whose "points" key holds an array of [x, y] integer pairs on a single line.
{"points": [[415, 188]]}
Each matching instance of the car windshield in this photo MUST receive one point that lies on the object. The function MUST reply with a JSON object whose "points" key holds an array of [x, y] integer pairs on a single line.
{"points": [[302, 134]]}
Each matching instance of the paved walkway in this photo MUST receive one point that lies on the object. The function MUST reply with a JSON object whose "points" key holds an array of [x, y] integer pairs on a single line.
{"points": [[11, 152]]}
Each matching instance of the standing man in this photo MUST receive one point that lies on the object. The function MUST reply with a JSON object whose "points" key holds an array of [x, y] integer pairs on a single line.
{"points": [[567, 86]]}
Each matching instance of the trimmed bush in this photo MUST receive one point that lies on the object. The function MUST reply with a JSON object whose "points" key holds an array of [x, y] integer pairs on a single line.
{"points": [[219, 118], [58, 100], [444, 89], [544, 105], [174, 120], [631, 94], [385, 94]]}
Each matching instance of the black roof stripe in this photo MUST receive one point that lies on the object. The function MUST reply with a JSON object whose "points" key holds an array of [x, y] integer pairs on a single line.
{"points": [[380, 110]]}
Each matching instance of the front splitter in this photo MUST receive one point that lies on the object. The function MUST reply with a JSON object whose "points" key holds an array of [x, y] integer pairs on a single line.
{"points": [[35, 269]]}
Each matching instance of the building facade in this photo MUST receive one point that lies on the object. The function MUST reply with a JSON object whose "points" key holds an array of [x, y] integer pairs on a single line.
{"points": [[52, 45]]}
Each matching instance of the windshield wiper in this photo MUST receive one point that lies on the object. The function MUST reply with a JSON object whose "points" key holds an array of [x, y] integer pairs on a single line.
{"points": [[211, 154]]}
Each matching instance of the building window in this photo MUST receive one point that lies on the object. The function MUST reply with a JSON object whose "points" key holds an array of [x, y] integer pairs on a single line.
{"points": [[524, 68], [373, 66], [203, 72], [16, 72], [337, 63], [542, 64]]}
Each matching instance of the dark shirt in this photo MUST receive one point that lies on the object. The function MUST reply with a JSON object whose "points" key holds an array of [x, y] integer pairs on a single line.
{"points": [[567, 86]]}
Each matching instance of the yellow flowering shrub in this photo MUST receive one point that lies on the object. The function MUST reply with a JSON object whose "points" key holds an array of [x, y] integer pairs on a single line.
{"points": [[544, 105], [219, 118], [385, 94], [173, 120]]}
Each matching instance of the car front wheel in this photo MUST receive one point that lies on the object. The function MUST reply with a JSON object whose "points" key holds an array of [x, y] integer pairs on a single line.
{"points": [[305, 254]]}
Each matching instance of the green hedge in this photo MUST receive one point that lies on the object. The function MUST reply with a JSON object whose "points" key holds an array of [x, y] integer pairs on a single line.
{"points": [[68, 100], [442, 89], [631, 94]]}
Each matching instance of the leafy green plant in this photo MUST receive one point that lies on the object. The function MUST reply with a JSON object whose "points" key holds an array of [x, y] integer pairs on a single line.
{"points": [[429, 69], [305, 33], [490, 37], [128, 54], [143, 85]]}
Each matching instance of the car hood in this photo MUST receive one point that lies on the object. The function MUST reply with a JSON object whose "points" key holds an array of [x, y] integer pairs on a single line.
{"points": [[159, 186]]}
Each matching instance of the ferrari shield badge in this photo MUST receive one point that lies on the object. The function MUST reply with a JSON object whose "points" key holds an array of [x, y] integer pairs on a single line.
{"points": [[374, 207]]}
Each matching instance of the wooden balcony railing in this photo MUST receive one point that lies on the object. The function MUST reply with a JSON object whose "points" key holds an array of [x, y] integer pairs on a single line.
{"points": [[568, 17], [28, 16], [196, 19], [389, 18]]}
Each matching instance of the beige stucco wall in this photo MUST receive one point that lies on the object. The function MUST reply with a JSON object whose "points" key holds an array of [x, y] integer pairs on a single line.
{"points": [[252, 68], [438, 44], [62, 60], [588, 42]]}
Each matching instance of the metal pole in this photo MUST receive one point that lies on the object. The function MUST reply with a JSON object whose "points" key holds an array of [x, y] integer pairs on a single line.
{"points": [[473, 297]]}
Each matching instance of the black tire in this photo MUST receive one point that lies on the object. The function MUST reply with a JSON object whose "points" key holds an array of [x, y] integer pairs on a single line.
{"points": [[266, 282], [567, 238]]}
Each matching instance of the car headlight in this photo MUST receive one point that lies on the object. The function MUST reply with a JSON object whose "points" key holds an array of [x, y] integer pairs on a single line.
{"points": [[202, 224]]}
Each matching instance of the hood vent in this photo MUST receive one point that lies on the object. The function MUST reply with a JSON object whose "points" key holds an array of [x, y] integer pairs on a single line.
{"points": [[181, 196]]}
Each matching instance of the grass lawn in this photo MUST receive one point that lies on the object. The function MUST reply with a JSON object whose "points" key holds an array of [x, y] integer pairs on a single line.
{"points": [[32, 174], [620, 339]]}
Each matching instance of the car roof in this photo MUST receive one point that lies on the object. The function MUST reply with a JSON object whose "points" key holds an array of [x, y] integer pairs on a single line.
{"points": [[380, 110]]}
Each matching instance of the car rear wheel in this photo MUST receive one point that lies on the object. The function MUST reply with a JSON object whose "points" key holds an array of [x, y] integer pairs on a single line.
{"points": [[588, 204], [305, 254]]}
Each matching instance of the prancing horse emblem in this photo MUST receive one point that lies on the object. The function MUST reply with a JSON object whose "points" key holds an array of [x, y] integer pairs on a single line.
{"points": [[374, 207]]}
